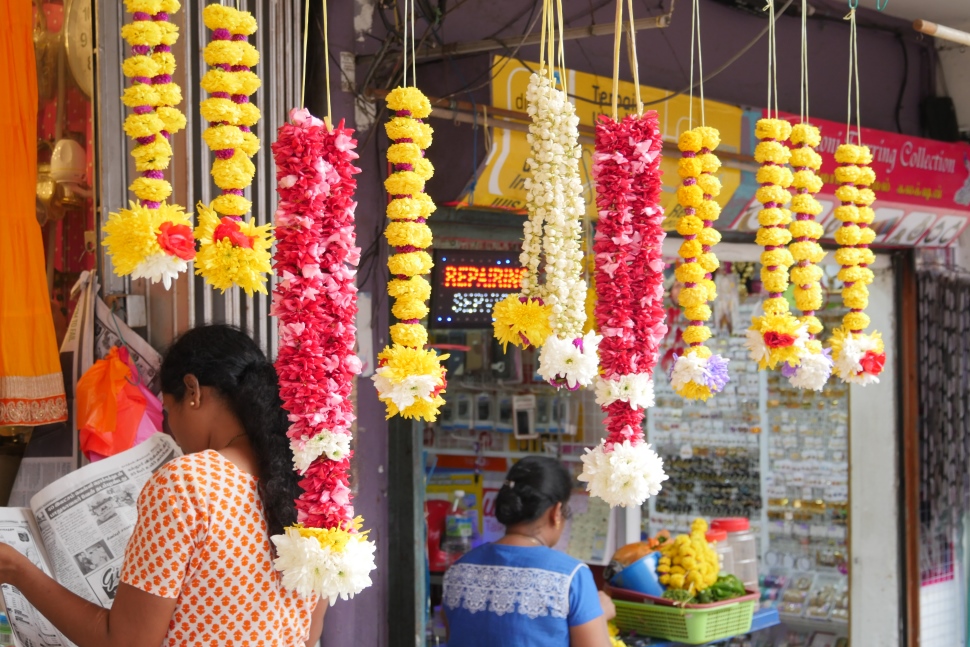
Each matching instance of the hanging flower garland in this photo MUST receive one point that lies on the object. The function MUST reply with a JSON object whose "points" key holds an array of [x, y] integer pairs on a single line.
{"points": [[698, 374], [151, 239], [315, 300], [568, 356], [231, 251], [623, 470], [523, 319], [815, 367], [409, 378], [776, 337], [859, 357]]}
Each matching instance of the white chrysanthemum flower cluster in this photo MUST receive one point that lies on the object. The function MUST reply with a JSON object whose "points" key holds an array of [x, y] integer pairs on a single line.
{"points": [[687, 369], [405, 392], [309, 567], [625, 476], [565, 360], [636, 389], [160, 268], [306, 450], [813, 372], [848, 366]]}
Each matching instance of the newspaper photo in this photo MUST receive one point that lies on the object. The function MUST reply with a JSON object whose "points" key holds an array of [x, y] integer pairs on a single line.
{"points": [[76, 530]]}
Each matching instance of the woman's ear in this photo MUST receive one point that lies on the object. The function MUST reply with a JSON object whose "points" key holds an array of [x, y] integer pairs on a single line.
{"points": [[557, 516], [193, 392]]}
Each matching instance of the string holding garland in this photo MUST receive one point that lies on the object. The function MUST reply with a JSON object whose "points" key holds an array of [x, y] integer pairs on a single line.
{"points": [[232, 251], [409, 378], [628, 250], [698, 374], [859, 357], [552, 315], [776, 336], [151, 239], [815, 367], [315, 300]]}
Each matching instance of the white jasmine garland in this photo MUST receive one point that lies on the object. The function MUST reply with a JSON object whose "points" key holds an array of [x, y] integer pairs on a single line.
{"points": [[625, 476], [306, 450], [555, 195], [562, 360], [309, 567], [634, 388], [848, 366]]}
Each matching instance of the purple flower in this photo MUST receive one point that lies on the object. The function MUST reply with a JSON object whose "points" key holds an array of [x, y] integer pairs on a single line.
{"points": [[788, 370], [716, 374]]}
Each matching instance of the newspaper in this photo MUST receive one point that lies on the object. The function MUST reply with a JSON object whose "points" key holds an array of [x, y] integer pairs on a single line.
{"points": [[76, 530], [110, 330]]}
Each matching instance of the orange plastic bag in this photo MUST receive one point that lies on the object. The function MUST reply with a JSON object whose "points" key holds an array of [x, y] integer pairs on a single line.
{"points": [[110, 407]]}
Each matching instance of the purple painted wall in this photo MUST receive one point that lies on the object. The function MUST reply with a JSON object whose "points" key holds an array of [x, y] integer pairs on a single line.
{"points": [[663, 59]]}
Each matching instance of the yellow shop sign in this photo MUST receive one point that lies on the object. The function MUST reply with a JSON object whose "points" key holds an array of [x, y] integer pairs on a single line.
{"points": [[500, 183]]}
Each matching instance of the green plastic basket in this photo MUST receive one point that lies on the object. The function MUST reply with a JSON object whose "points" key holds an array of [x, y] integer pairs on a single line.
{"points": [[690, 626]]}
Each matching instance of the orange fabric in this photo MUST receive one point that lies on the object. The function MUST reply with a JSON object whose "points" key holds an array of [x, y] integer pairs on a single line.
{"points": [[110, 407], [201, 537], [31, 384]]}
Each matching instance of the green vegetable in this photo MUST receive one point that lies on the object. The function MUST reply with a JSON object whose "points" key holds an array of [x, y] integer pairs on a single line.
{"points": [[679, 595], [705, 597], [727, 587]]}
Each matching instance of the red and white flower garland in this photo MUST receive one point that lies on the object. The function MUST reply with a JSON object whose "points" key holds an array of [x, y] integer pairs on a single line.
{"points": [[316, 303], [623, 470]]}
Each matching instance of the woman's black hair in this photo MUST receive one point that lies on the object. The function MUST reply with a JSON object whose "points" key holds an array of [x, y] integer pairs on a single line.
{"points": [[532, 486], [228, 360]]}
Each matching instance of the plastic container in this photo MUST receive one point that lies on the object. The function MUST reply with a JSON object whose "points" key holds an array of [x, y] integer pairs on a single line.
{"points": [[640, 576], [691, 626], [725, 554], [6, 633], [743, 547], [459, 528]]}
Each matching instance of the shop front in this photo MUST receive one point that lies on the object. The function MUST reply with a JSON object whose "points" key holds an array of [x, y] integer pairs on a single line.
{"points": [[813, 476]]}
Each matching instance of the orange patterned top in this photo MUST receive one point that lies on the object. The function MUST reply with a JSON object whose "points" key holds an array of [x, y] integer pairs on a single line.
{"points": [[201, 537]]}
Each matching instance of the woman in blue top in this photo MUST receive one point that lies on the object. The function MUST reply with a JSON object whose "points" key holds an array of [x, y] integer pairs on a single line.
{"points": [[519, 591]]}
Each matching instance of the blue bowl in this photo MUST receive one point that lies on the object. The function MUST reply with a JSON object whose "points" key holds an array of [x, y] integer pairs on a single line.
{"points": [[640, 576]]}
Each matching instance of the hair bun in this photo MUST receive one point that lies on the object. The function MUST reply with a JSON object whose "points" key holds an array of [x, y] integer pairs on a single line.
{"points": [[508, 505]]}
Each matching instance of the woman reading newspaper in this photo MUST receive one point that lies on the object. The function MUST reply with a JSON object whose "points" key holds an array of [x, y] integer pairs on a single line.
{"points": [[198, 569]]}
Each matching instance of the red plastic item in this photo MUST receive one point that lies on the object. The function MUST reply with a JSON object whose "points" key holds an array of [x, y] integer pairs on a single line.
{"points": [[642, 598], [716, 535], [731, 524], [434, 516]]}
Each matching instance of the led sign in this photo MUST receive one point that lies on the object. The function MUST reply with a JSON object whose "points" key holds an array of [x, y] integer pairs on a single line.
{"points": [[466, 284]]}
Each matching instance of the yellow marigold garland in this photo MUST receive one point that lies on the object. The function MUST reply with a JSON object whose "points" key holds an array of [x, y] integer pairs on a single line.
{"points": [[231, 252], [151, 239], [816, 365], [777, 337], [698, 374], [859, 357], [410, 378]]}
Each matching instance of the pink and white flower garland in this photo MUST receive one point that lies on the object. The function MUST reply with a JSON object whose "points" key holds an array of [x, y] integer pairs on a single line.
{"points": [[316, 303], [623, 470]]}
